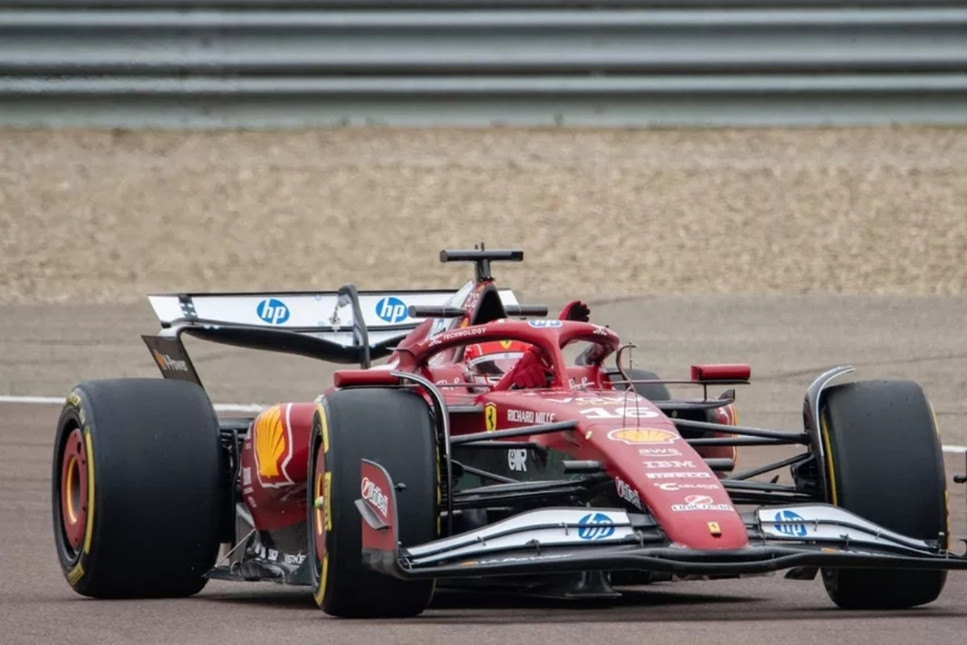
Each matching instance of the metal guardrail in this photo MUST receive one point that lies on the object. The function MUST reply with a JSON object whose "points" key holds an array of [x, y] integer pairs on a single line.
{"points": [[625, 63], [387, 5]]}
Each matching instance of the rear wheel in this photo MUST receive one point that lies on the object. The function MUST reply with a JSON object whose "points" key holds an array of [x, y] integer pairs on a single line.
{"points": [[135, 492], [394, 429], [884, 463]]}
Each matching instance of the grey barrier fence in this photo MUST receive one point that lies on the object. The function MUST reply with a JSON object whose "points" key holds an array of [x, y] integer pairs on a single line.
{"points": [[227, 63]]}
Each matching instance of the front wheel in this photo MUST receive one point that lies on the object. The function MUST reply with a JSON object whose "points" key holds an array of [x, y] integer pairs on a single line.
{"points": [[393, 428], [884, 463]]}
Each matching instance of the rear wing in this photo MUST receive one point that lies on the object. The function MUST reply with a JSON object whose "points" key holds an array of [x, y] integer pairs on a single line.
{"points": [[344, 326]]}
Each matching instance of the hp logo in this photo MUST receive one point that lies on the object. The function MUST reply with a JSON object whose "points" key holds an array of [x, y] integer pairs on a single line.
{"points": [[272, 311], [595, 526], [392, 310], [544, 324], [795, 530]]}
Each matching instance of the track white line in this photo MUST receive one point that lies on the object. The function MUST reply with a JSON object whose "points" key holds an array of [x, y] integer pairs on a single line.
{"points": [[253, 407], [58, 400]]}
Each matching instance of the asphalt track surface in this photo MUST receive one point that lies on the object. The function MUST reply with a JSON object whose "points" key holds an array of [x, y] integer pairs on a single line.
{"points": [[788, 340]]}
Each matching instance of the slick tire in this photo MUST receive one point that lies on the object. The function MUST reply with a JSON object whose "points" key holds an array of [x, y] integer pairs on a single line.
{"points": [[393, 428], [884, 463], [135, 488]]}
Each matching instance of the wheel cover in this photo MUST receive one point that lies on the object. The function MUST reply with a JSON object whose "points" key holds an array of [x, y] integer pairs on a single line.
{"points": [[73, 492]]}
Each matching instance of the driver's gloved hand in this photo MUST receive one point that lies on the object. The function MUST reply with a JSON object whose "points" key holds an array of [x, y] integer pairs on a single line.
{"points": [[530, 371], [575, 310]]}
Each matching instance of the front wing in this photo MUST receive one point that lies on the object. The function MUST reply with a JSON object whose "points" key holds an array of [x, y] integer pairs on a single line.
{"points": [[555, 540]]}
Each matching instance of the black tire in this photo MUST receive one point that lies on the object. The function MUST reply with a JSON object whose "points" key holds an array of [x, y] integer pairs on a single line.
{"points": [[394, 429], [138, 489], [651, 391], [885, 464]]}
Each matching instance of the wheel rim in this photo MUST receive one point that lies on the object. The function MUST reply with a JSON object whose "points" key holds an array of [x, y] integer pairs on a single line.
{"points": [[73, 492], [321, 519]]}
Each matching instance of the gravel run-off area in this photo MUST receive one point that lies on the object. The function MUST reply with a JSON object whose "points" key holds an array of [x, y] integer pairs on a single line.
{"points": [[111, 215]]}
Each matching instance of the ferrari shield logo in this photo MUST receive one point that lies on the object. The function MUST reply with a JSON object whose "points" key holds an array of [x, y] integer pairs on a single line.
{"points": [[490, 416], [642, 435]]}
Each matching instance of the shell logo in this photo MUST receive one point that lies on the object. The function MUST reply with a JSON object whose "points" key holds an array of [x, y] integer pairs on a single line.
{"points": [[273, 446], [642, 435]]}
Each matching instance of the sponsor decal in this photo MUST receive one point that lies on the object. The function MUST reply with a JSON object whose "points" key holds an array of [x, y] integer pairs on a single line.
{"points": [[490, 417], [681, 475], [517, 460], [700, 503], [75, 574], [392, 309], [659, 452], [679, 486], [272, 311], [274, 555], [634, 436], [74, 399], [469, 332], [595, 526], [294, 558], [583, 385], [247, 476], [272, 438], [669, 464], [512, 559], [793, 523], [591, 400], [544, 324], [699, 500], [506, 343], [627, 493], [685, 508], [373, 494], [529, 416], [637, 411], [166, 363]]}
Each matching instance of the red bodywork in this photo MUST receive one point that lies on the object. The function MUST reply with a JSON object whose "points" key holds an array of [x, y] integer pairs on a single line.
{"points": [[640, 447]]}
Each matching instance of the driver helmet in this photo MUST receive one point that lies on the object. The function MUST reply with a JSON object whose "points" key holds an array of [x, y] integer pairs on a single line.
{"points": [[488, 362]]}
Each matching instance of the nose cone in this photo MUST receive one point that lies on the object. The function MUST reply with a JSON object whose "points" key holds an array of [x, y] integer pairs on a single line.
{"points": [[658, 471]]}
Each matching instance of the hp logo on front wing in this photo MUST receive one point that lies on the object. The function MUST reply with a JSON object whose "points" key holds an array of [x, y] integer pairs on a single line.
{"points": [[595, 526]]}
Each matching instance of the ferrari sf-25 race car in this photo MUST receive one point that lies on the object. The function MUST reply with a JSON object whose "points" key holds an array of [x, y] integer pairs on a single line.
{"points": [[495, 450]]}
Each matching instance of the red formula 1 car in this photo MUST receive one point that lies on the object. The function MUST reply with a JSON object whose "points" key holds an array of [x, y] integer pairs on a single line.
{"points": [[494, 449]]}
